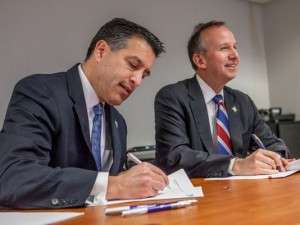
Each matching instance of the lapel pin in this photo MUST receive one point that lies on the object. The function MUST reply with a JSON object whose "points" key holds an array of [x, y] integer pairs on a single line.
{"points": [[116, 123], [234, 109]]}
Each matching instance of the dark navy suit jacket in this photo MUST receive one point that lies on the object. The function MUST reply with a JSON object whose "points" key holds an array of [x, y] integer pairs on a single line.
{"points": [[45, 149], [183, 136]]}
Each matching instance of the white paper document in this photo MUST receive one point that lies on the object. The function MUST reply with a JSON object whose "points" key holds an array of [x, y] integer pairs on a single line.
{"points": [[255, 177], [179, 186], [293, 167], [35, 218]]}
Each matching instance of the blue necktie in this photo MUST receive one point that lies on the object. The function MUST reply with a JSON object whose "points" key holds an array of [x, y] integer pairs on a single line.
{"points": [[222, 127], [96, 135]]}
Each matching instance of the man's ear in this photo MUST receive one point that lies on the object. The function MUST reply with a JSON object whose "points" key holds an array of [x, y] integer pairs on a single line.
{"points": [[101, 48], [199, 60]]}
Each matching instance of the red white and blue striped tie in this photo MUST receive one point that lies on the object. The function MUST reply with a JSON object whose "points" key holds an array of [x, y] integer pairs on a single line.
{"points": [[222, 127]]}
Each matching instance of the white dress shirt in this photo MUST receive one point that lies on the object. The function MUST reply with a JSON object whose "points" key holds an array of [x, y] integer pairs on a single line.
{"points": [[91, 99], [209, 94]]}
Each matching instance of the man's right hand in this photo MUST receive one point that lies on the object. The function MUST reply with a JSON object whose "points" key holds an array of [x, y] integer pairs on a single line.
{"points": [[260, 162], [140, 181]]}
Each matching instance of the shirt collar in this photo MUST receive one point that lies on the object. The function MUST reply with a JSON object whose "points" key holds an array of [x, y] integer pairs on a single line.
{"points": [[90, 96], [208, 92]]}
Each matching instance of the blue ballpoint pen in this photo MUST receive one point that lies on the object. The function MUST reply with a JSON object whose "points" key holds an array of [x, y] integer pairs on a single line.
{"points": [[119, 210], [158, 208]]}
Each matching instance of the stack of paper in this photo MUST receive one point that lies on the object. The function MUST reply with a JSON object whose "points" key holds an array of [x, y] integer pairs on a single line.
{"points": [[179, 186]]}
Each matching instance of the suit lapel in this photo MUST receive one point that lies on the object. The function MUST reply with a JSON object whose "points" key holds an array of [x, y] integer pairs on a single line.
{"points": [[200, 114], [76, 94], [116, 142], [235, 130]]}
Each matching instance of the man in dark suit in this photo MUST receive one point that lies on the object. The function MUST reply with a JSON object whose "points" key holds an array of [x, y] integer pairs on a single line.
{"points": [[196, 131], [63, 144]]}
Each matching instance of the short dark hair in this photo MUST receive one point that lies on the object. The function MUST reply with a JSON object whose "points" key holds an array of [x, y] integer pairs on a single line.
{"points": [[116, 33], [195, 43]]}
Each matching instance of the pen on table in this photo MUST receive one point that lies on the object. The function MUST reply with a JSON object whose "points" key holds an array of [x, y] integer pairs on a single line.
{"points": [[119, 210], [162, 207]]}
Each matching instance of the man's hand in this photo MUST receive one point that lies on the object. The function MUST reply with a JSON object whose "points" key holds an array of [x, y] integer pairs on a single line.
{"points": [[140, 181], [260, 162]]}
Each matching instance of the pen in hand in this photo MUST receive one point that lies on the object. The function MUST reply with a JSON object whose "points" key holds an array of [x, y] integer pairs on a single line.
{"points": [[258, 141], [261, 145], [133, 158]]}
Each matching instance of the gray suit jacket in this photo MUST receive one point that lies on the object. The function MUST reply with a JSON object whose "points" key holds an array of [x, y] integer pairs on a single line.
{"points": [[183, 136], [46, 158]]}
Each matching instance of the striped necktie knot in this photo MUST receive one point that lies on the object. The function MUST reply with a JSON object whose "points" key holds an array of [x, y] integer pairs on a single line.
{"points": [[218, 99], [98, 109]]}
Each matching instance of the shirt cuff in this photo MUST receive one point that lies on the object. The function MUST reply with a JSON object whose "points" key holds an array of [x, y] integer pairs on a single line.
{"points": [[99, 190], [230, 168]]}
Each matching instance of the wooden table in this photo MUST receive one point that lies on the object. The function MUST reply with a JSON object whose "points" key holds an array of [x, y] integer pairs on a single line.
{"points": [[268, 201]]}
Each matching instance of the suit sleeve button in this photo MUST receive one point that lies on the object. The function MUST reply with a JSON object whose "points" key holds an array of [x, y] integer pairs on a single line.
{"points": [[54, 201]]}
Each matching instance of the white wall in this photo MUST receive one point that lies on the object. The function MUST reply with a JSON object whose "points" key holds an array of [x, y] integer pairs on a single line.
{"points": [[282, 42], [49, 36]]}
